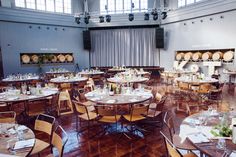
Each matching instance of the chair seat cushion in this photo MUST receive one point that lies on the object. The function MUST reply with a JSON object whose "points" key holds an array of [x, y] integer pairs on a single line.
{"points": [[90, 116], [190, 155], [39, 146], [110, 119], [134, 117], [186, 145]]}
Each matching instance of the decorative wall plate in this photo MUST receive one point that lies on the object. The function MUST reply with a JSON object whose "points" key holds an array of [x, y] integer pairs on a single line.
{"points": [[217, 56], [228, 56], [54, 58], [61, 58]]}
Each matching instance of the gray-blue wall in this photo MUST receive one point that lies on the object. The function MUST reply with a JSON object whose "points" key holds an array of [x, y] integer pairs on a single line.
{"points": [[16, 37]]}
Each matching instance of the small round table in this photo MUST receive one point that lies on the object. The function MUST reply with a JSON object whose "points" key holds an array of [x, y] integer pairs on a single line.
{"points": [[196, 81], [188, 126], [8, 138], [101, 97]]}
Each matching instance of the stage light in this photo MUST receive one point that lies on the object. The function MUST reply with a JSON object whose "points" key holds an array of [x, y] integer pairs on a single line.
{"points": [[131, 17], [101, 19], [86, 19], [77, 20], [163, 15], [108, 18], [146, 16], [154, 14]]}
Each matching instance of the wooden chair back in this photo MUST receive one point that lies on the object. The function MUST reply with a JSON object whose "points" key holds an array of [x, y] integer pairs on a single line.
{"points": [[79, 108], [205, 88], [59, 139], [106, 110], [44, 123], [8, 117], [183, 85], [168, 121], [161, 103], [171, 149]]}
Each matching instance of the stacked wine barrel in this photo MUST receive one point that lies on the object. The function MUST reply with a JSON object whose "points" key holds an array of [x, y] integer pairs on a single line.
{"points": [[207, 55]]}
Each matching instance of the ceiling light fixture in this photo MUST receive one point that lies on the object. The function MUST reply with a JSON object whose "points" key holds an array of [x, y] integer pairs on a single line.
{"points": [[146, 16], [101, 19], [108, 18], [131, 17]]}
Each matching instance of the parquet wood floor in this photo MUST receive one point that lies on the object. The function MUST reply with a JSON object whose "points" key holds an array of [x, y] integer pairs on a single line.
{"points": [[109, 146]]}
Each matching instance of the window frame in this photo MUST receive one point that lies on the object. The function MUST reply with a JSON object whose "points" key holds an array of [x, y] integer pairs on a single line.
{"points": [[45, 7], [190, 4], [123, 11]]}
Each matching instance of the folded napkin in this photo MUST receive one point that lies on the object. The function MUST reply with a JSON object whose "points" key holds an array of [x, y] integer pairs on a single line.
{"points": [[89, 94], [233, 154], [24, 144], [198, 138], [21, 128], [111, 101]]}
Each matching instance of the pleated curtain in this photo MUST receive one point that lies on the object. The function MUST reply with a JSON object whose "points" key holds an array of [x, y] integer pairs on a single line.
{"points": [[129, 47]]}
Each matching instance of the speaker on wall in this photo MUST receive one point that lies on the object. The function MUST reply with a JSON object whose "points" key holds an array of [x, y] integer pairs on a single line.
{"points": [[87, 40], [160, 38]]}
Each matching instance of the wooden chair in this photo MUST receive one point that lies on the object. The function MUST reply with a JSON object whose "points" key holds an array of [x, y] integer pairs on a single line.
{"points": [[36, 107], [175, 138], [90, 84], [59, 139], [138, 113], [44, 124], [155, 115], [83, 114], [64, 97], [171, 149], [107, 115], [8, 117]]}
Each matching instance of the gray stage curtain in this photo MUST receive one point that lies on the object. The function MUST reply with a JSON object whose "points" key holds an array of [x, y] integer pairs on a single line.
{"points": [[129, 47]]}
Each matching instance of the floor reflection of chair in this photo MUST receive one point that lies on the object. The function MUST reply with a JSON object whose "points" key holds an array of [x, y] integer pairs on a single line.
{"points": [[171, 148]]}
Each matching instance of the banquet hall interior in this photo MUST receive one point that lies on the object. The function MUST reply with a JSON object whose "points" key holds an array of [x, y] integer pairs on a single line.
{"points": [[117, 78]]}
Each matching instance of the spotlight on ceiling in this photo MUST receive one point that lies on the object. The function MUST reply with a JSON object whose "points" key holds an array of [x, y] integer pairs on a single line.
{"points": [[86, 19], [131, 17], [146, 16], [77, 20], [101, 19], [154, 14], [108, 18], [163, 15]]}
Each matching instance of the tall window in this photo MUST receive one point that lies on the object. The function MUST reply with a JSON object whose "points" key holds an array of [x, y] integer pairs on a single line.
{"points": [[40, 4], [183, 3], [123, 6], [59, 6]]}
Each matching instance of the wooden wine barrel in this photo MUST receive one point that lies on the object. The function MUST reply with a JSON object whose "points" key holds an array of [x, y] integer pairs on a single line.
{"points": [[188, 56], [179, 56], [197, 56], [217, 56], [228, 56], [206, 56]]}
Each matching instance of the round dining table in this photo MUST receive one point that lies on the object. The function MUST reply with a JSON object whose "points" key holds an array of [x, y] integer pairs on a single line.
{"points": [[60, 80], [16, 140], [120, 80], [14, 96], [197, 81], [90, 73], [23, 79], [197, 129], [128, 97]]}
